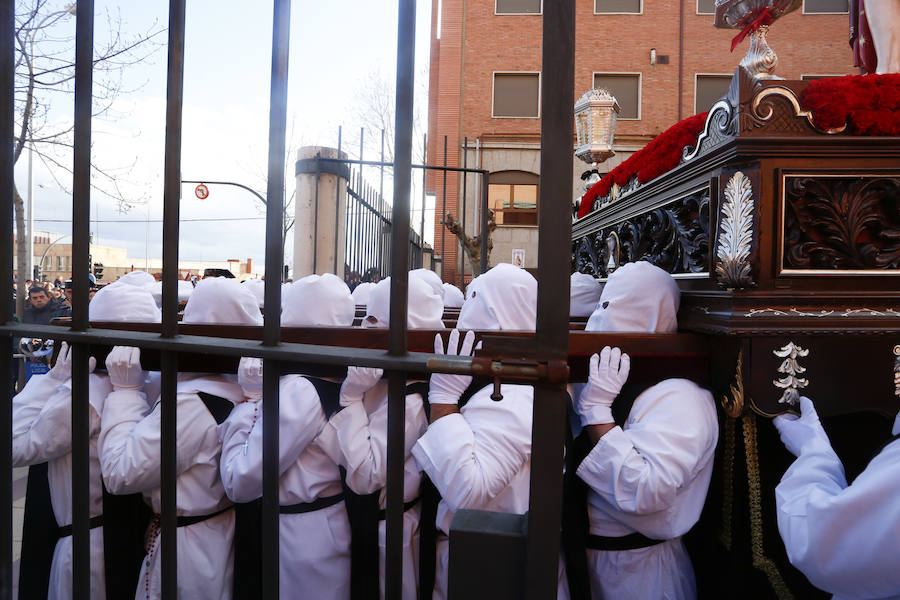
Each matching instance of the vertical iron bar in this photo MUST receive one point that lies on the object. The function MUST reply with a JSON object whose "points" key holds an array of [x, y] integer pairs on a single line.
{"points": [[337, 208], [169, 362], [272, 294], [462, 218], [485, 181], [555, 224], [358, 215], [406, 49], [380, 208], [81, 239], [440, 222], [7, 109], [424, 171]]}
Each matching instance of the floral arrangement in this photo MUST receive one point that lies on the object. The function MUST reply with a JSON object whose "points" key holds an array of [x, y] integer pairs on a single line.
{"points": [[868, 104]]}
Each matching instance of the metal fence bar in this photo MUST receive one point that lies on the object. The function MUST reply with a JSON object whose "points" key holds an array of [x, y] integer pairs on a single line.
{"points": [[485, 182], [406, 49], [462, 219], [424, 173], [272, 294], [548, 430], [337, 209], [440, 222], [81, 268], [7, 135], [169, 363]]}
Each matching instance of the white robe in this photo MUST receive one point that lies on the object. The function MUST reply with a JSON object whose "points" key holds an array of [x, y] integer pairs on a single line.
{"points": [[651, 477], [479, 459], [42, 432], [844, 538], [314, 546], [130, 447], [356, 438]]}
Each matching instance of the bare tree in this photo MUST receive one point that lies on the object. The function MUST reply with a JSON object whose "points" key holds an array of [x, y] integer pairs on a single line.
{"points": [[472, 244], [45, 73]]}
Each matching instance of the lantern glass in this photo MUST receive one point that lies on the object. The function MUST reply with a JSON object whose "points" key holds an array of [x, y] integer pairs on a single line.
{"points": [[595, 123]]}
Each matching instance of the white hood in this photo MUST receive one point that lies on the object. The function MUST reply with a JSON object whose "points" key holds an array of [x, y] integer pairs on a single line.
{"points": [[138, 278], [503, 298], [637, 297], [432, 279], [257, 287], [361, 293], [124, 302], [453, 298], [424, 310], [318, 301], [224, 301], [585, 294]]}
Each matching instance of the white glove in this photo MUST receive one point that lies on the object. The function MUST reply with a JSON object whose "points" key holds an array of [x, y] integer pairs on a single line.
{"points": [[124, 367], [608, 373], [803, 432], [359, 380], [250, 377], [62, 370], [447, 389]]}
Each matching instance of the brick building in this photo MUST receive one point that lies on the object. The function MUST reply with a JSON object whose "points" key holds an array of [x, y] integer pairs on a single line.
{"points": [[485, 82]]}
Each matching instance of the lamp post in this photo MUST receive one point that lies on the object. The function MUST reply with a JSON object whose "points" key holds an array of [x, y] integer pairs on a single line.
{"points": [[595, 126]]}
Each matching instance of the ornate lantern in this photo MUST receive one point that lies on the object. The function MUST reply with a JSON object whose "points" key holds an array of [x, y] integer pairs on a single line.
{"points": [[595, 125], [753, 18]]}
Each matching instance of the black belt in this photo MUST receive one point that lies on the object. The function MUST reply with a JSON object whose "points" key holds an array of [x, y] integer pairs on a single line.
{"points": [[632, 541], [185, 521], [66, 530], [305, 507], [382, 514]]}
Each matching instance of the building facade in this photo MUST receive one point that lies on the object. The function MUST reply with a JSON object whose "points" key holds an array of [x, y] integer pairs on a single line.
{"points": [[662, 59]]}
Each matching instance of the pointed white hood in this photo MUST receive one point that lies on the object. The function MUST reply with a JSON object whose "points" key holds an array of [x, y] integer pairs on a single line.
{"points": [[124, 302], [222, 301], [318, 301], [585, 294], [453, 298], [503, 298], [424, 310], [637, 297], [432, 279], [361, 293]]}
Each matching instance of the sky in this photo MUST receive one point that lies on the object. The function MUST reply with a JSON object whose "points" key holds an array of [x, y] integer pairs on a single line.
{"points": [[334, 46]]}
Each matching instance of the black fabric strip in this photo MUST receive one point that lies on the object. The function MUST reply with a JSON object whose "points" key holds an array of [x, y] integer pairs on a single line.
{"points": [[305, 507], [187, 521], [632, 541], [382, 514], [66, 530], [217, 406]]}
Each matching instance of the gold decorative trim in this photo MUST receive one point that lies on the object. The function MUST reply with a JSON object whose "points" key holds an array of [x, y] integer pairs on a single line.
{"points": [[790, 367], [734, 405], [728, 451], [897, 370], [736, 235], [760, 560], [850, 312], [788, 94]]}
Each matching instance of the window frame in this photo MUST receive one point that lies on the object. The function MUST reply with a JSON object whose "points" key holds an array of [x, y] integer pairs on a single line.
{"points": [[640, 95], [697, 77], [525, 14], [805, 12], [803, 76], [494, 90], [697, 9], [596, 12], [512, 178]]}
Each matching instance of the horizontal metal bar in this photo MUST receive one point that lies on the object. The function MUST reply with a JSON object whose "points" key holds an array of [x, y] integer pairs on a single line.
{"points": [[375, 163]]}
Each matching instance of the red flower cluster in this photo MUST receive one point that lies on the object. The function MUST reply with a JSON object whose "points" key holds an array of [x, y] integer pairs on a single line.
{"points": [[662, 154], [869, 104]]}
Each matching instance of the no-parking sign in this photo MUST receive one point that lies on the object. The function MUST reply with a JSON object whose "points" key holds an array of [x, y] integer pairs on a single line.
{"points": [[201, 191]]}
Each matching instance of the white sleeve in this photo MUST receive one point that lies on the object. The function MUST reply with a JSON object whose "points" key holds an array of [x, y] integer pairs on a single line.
{"points": [[640, 470], [42, 421], [300, 421], [130, 441], [843, 538], [471, 458], [358, 441]]}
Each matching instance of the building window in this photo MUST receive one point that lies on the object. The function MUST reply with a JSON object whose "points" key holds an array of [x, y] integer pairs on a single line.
{"points": [[618, 7], [708, 89], [513, 196], [517, 95], [824, 7], [812, 77], [517, 7], [706, 7], [60, 263], [626, 87]]}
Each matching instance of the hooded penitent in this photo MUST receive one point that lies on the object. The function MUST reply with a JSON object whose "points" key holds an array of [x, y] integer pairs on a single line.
{"points": [[424, 311], [222, 301], [258, 288], [124, 302], [503, 298], [138, 278], [361, 293], [453, 298], [637, 297], [584, 294], [318, 301]]}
